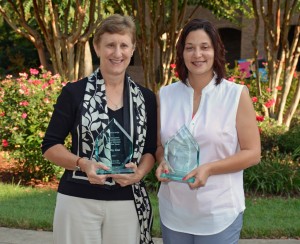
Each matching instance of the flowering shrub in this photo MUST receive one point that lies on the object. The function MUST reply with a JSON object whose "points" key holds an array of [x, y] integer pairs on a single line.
{"points": [[278, 172], [26, 103], [261, 103]]}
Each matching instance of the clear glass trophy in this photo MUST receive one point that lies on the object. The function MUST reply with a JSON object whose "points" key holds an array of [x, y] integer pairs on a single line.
{"points": [[114, 148], [181, 153]]}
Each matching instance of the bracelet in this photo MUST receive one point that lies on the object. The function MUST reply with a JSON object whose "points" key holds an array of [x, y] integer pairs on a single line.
{"points": [[77, 167]]}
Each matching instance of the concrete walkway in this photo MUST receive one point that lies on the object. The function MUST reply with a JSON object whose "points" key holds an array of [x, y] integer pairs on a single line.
{"points": [[18, 236]]}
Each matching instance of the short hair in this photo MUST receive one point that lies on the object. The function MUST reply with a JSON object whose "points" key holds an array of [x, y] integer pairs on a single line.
{"points": [[116, 23], [219, 50]]}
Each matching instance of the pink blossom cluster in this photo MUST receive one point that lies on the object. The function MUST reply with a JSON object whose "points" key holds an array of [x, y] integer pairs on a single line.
{"points": [[27, 85]]}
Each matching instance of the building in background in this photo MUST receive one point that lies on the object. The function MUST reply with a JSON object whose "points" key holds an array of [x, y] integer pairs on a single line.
{"points": [[237, 40]]}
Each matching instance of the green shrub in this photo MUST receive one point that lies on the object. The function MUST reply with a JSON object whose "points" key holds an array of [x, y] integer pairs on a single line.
{"points": [[270, 134], [16, 52], [289, 142], [276, 174], [26, 103]]}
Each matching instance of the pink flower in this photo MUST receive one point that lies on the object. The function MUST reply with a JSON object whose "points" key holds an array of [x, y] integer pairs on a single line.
{"points": [[45, 85], [268, 89], [24, 103], [176, 74], [173, 66], [51, 81], [37, 82], [279, 88], [46, 75], [41, 67], [260, 118], [57, 76], [232, 79], [254, 99], [270, 103], [46, 100], [24, 115], [34, 71], [4, 143], [25, 75], [8, 76], [24, 90]]}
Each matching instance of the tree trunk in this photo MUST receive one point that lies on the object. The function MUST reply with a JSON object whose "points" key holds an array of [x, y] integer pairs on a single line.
{"points": [[281, 61], [85, 62], [60, 35], [294, 104]]}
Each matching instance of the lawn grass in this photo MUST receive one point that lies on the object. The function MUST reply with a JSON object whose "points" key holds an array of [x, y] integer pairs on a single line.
{"points": [[26, 207], [271, 217], [29, 208]]}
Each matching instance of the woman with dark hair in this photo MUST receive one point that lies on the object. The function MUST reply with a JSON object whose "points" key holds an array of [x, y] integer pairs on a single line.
{"points": [[217, 44], [220, 116], [104, 208]]}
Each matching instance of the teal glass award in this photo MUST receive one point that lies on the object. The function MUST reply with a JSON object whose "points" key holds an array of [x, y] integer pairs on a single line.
{"points": [[181, 153], [114, 148]]}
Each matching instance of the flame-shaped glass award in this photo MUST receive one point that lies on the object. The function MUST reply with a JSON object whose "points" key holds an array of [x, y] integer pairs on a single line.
{"points": [[182, 154], [114, 148]]}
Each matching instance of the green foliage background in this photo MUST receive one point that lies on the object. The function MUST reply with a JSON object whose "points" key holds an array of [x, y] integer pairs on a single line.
{"points": [[16, 53]]}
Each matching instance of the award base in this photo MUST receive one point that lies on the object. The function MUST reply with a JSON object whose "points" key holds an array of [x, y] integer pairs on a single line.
{"points": [[177, 177], [115, 171]]}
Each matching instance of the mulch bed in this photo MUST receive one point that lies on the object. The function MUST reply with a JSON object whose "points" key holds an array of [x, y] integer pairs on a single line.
{"points": [[10, 174]]}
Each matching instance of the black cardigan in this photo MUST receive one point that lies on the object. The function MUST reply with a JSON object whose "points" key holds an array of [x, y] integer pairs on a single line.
{"points": [[65, 120]]}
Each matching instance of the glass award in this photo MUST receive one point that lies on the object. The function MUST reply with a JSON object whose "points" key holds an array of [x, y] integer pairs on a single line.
{"points": [[181, 153], [114, 148]]}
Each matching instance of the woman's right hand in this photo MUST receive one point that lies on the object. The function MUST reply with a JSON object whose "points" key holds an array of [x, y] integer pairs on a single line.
{"points": [[162, 168], [90, 168]]}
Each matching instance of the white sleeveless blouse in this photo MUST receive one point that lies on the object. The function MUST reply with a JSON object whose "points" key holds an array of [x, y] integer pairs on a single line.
{"points": [[212, 208]]}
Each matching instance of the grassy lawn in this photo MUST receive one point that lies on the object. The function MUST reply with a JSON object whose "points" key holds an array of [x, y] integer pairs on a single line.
{"points": [[29, 208], [26, 208], [272, 217]]}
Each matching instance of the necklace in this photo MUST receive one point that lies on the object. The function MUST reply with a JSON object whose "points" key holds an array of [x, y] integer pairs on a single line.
{"points": [[116, 106]]}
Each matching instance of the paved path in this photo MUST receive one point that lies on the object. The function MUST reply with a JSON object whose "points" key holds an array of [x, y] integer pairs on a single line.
{"points": [[18, 236]]}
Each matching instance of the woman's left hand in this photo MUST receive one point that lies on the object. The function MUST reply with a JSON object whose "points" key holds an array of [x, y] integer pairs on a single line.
{"points": [[127, 179]]}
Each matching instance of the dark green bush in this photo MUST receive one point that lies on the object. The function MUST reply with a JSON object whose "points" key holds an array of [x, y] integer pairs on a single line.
{"points": [[270, 134], [17, 54], [289, 142], [276, 174]]}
